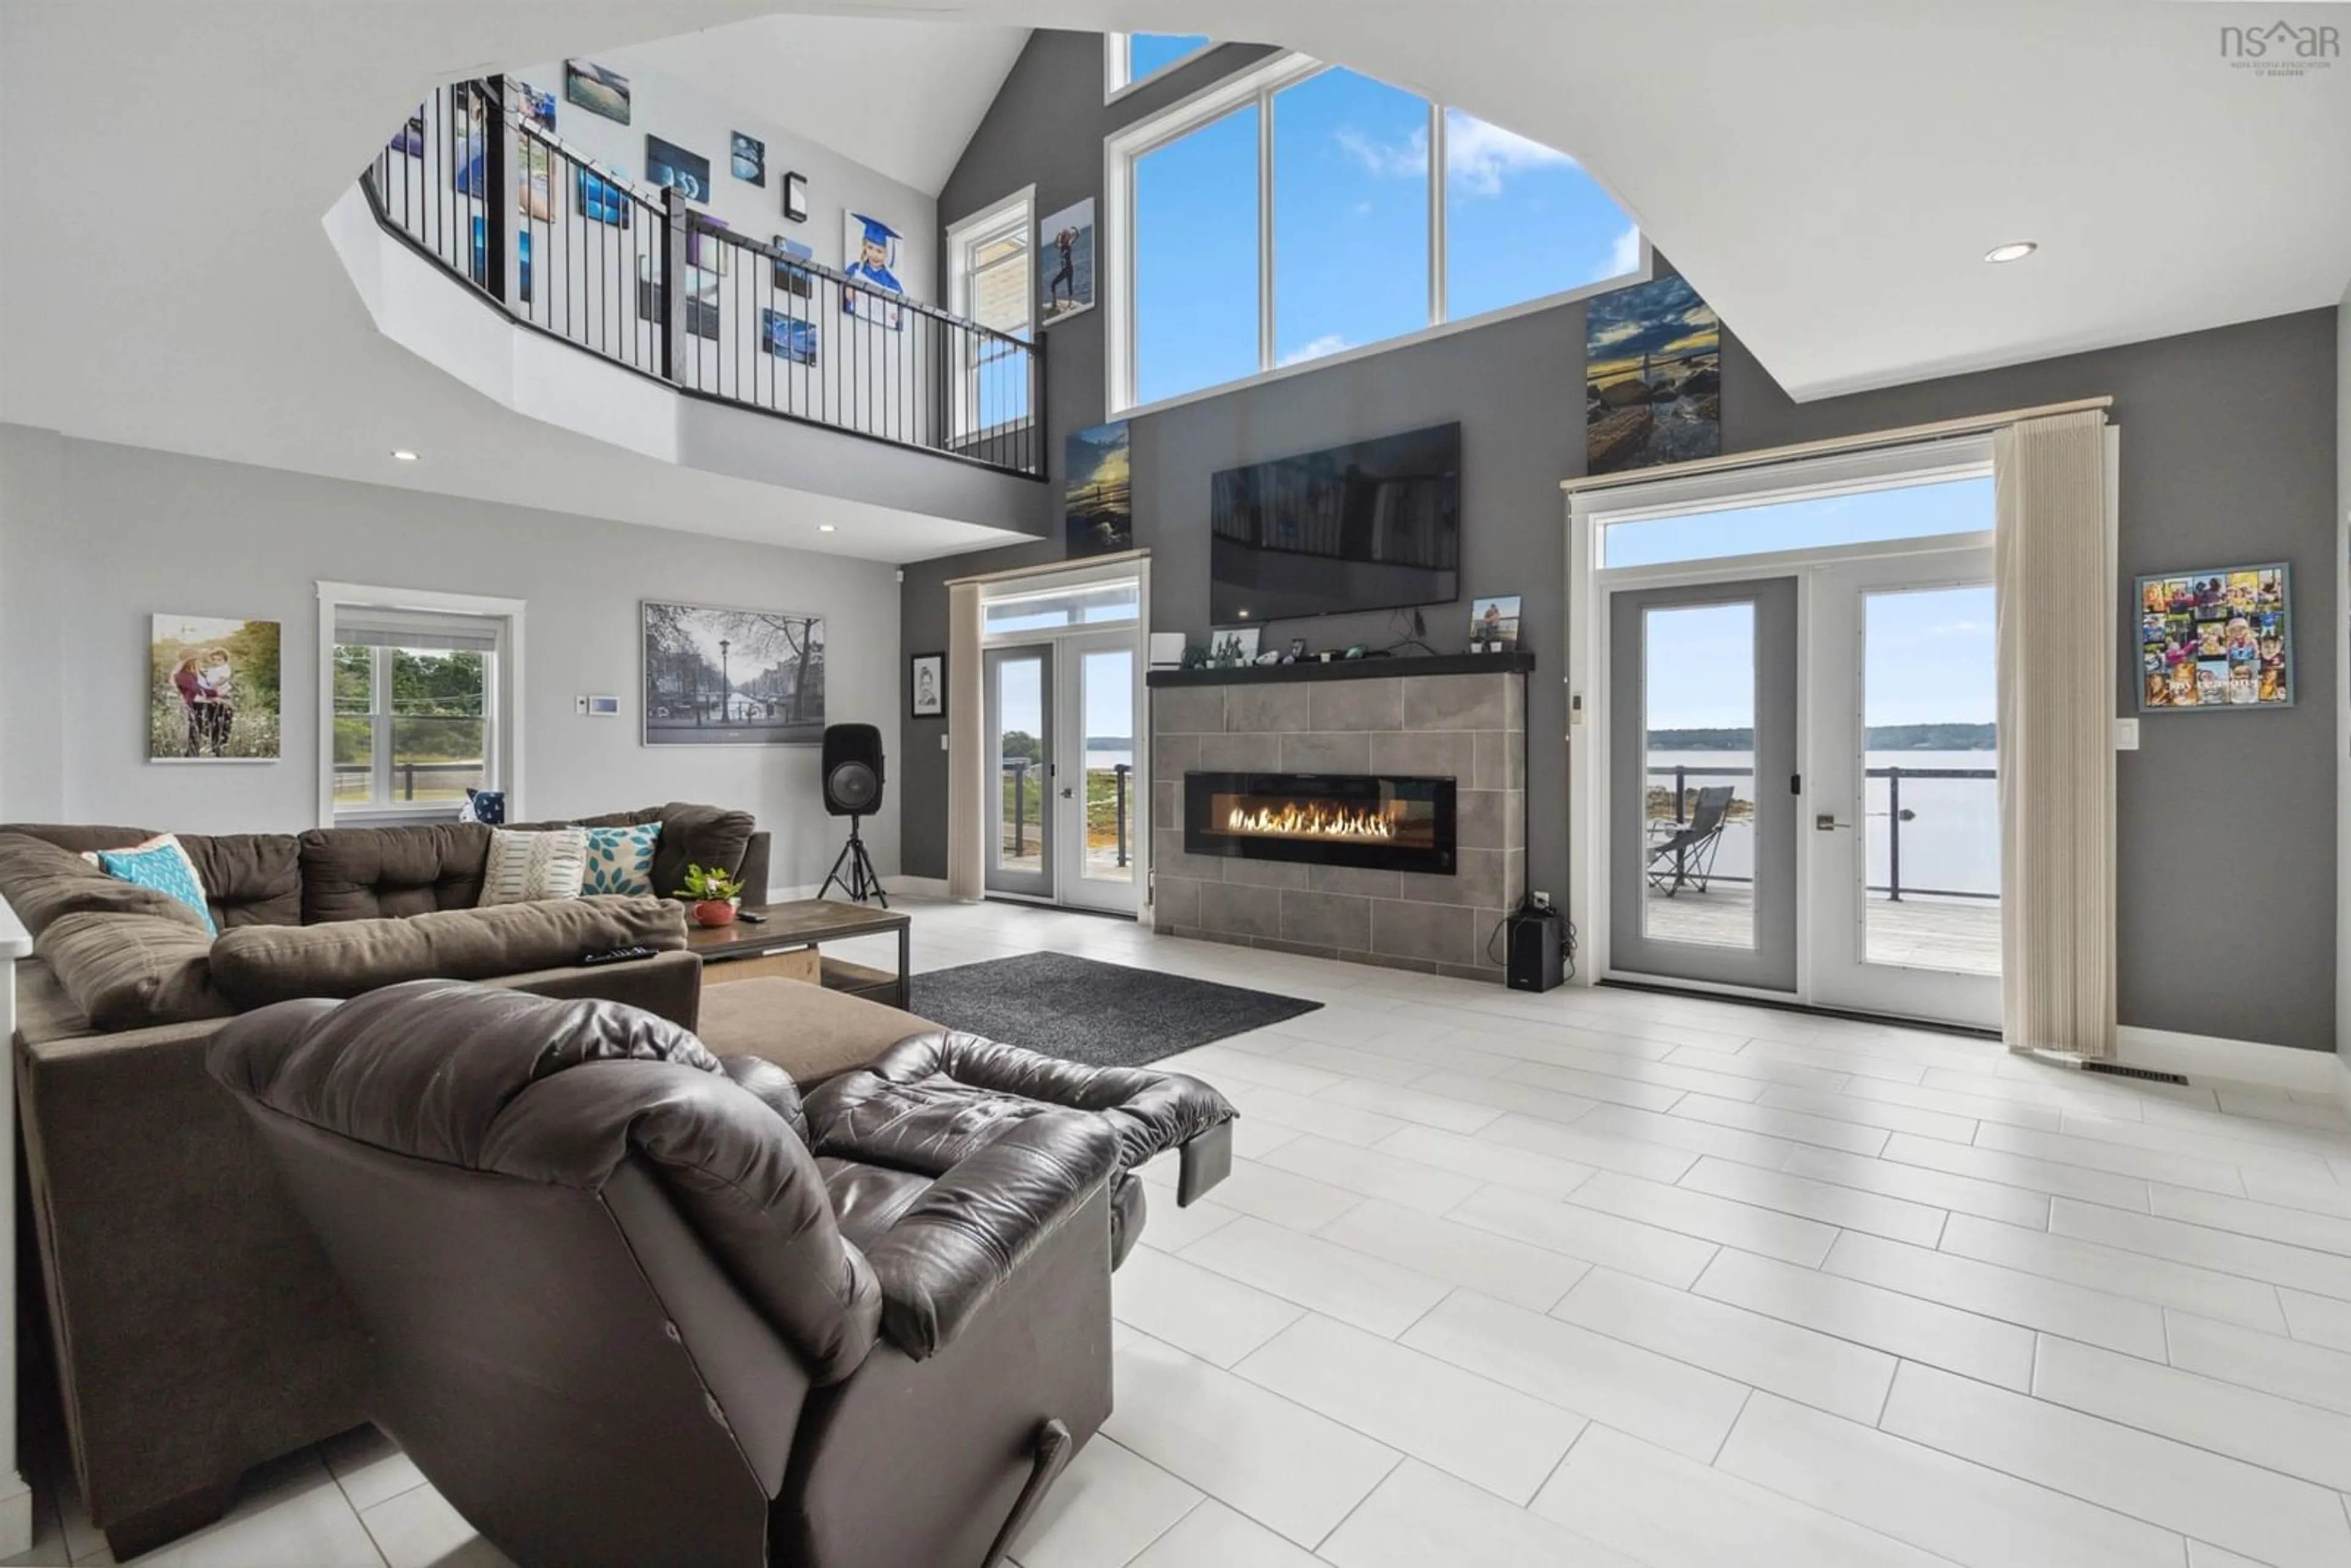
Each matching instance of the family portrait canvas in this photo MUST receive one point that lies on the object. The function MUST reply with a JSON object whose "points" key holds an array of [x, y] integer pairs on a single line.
{"points": [[1065, 262], [212, 690], [2221, 638], [596, 90], [715, 676], [1652, 377], [1494, 624], [1099, 493]]}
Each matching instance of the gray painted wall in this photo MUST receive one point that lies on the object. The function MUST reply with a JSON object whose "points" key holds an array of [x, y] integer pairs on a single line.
{"points": [[2227, 455], [94, 538], [2342, 698]]}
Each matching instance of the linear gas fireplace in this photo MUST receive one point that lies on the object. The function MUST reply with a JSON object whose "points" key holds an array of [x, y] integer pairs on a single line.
{"points": [[1383, 822]]}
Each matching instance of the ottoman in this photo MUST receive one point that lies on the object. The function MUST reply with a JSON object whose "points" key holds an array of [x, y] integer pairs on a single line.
{"points": [[930, 1102], [809, 1032]]}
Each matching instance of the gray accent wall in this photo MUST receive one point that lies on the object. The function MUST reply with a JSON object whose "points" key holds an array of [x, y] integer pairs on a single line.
{"points": [[2228, 904], [94, 538]]}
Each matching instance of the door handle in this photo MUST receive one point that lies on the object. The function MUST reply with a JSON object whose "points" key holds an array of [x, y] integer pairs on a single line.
{"points": [[1068, 793], [1824, 823]]}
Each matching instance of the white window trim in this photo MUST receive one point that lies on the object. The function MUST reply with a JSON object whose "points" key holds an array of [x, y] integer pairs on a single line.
{"points": [[1018, 209], [1118, 60], [502, 703], [1258, 86]]}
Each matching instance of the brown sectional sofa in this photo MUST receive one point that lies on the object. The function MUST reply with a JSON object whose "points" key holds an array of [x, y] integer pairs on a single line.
{"points": [[196, 1327]]}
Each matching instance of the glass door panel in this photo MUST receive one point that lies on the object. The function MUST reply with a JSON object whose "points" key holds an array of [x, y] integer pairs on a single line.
{"points": [[1021, 729], [1702, 779], [1905, 854], [1099, 794]]}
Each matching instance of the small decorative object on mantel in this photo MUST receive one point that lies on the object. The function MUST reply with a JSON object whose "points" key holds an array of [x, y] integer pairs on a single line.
{"points": [[2216, 638], [714, 893], [1167, 650], [1652, 377], [796, 197], [1195, 658], [1235, 646], [1297, 651], [1494, 624], [926, 687]]}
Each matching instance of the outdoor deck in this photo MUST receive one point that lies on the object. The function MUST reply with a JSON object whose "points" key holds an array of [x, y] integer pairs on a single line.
{"points": [[1951, 934]]}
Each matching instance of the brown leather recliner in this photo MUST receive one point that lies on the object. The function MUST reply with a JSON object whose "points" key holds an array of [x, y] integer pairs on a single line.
{"points": [[621, 1316]]}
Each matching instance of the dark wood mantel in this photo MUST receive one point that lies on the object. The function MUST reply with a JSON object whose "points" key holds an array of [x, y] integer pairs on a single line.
{"points": [[1521, 663]]}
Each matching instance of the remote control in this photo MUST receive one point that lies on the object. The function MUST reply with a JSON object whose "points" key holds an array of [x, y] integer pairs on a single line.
{"points": [[748, 918], [614, 956]]}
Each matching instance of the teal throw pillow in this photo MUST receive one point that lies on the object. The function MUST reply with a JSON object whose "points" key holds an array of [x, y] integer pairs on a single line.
{"points": [[621, 860], [160, 864]]}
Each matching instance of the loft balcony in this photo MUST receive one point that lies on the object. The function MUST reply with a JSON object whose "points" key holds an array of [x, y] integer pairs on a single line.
{"points": [[624, 313]]}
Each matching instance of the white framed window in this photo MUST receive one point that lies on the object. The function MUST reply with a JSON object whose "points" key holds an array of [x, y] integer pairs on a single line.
{"points": [[419, 701], [1129, 59], [1299, 211], [992, 279]]}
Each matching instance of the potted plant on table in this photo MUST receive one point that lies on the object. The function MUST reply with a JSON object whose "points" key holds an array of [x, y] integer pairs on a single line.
{"points": [[714, 893]]}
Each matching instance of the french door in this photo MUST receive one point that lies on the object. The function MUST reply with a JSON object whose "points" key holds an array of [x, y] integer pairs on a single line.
{"points": [[1802, 784], [1064, 795], [1903, 820]]}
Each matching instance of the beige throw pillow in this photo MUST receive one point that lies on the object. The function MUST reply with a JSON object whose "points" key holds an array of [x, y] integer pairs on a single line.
{"points": [[525, 866]]}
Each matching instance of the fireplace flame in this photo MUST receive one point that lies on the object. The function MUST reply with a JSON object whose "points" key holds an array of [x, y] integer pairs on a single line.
{"points": [[1312, 822]]}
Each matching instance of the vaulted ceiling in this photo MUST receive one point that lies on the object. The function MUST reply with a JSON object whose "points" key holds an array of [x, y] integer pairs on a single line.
{"points": [[1828, 172]]}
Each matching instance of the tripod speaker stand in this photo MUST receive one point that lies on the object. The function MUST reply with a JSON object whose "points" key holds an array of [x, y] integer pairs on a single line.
{"points": [[852, 788]]}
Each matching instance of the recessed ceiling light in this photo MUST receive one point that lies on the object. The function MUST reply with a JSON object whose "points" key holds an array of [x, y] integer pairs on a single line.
{"points": [[2015, 250], [824, 528], [403, 455]]}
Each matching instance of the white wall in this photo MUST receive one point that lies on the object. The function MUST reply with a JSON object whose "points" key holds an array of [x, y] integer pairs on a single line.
{"points": [[688, 117], [94, 538]]}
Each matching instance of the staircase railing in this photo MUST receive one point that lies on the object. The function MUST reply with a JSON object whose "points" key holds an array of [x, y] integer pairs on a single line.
{"points": [[573, 248]]}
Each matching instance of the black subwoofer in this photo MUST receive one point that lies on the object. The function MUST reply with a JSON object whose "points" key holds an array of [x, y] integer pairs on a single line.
{"points": [[852, 770]]}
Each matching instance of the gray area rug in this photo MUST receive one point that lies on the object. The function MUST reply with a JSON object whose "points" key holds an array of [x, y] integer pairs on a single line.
{"points": [[1104, 1015]]}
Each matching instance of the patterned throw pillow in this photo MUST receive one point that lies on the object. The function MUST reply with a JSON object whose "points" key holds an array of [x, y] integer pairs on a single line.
{"points": [[621, 860], [161, 864], [484, 806], [527, 866]]}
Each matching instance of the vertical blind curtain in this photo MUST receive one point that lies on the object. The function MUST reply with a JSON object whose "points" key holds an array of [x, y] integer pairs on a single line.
{"points": [[966, 786], [2054, 591]]}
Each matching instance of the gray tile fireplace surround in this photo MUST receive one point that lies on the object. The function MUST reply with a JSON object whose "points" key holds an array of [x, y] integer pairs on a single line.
{"points": [[1449, 717]]}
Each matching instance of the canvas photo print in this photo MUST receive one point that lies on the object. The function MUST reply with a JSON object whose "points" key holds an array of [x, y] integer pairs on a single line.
{"points": [[1652, 377], [1494, 624], [791, 339], [212, 689], [666, 164], [2221, 638], [596, 90], [747, 156], [1098, 493], [599, 200], [797, 281], [732, 677], [1065, 262], [870, 249]]}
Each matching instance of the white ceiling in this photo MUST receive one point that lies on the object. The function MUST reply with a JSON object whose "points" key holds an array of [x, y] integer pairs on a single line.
{"points": [[900, 97], [1827, 172]]}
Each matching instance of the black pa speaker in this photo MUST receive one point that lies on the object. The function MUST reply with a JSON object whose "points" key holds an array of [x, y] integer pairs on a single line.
{"points": [[1534, 950], [852, 770]]}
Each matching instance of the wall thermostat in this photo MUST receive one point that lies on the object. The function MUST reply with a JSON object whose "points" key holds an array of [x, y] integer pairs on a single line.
{"points": [[597, 707]]}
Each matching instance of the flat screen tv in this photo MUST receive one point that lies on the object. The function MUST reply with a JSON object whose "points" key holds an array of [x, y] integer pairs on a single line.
{"points": [[1375, 524]]}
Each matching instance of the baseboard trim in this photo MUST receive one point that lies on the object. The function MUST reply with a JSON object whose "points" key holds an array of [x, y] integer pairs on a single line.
{"points": [[2246, 1060], [921, 886]]}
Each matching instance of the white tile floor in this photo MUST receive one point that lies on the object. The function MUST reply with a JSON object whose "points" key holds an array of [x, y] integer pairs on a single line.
{"points": [[1606, 1277]]}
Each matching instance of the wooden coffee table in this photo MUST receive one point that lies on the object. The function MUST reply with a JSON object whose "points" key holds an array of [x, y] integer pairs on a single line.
{"points": [[786, 942]]}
